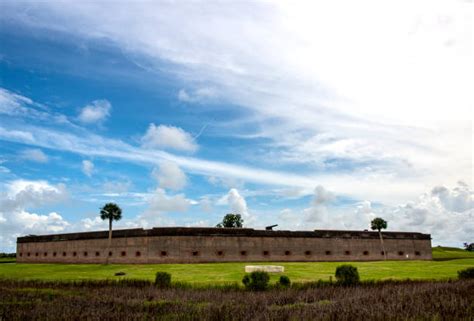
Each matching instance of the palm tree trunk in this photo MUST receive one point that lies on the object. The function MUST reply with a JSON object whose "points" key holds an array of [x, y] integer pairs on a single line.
{"points": [[383, 247], [109, 243], [110, 232]]}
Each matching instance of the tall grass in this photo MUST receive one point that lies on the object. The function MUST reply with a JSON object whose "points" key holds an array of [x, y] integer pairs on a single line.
{"points": [[141, 300]]}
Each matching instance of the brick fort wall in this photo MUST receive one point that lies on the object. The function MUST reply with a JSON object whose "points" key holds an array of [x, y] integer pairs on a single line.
{"points": [[198, 245]]}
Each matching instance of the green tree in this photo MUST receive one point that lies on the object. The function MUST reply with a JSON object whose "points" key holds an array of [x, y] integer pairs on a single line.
{"points": [[231, 220], [111, 212], [469, 247], [380, 224]]}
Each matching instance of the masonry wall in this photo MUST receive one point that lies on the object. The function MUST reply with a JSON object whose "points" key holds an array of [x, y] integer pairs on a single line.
{"points": [[222, 248]]}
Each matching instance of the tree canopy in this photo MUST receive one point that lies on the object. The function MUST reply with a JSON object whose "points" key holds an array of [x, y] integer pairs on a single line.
{"points": [[469, 247], [111, 212], [231, 220], [378, 224]]}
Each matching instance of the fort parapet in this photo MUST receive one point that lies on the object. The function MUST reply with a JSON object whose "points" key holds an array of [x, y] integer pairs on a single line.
{"points": [[198, 245]]}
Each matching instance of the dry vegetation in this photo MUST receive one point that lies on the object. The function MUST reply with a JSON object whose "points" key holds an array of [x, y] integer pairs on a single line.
{"points": [[140, 300]]}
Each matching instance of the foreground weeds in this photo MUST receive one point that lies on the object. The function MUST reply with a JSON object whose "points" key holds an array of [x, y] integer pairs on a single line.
{"points": [[140, 300]]}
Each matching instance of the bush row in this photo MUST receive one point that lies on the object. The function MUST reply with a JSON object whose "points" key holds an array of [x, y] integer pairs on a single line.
{"points": [[346, 275]]}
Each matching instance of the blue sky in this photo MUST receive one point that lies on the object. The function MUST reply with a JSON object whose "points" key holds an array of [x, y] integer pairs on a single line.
{"points": [[304, 116]]}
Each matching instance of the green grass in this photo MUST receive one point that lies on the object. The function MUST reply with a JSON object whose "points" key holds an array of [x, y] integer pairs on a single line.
{"points": [[7, 259], [447, 261], [449, 253], [219, 273]]}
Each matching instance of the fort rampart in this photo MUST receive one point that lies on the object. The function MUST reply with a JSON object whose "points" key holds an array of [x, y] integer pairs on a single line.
{"points": [[197, 245]]}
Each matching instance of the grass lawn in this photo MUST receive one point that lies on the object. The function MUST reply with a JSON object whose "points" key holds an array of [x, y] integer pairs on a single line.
{"points": [[7, 259], [449, 253], [233, 272]]}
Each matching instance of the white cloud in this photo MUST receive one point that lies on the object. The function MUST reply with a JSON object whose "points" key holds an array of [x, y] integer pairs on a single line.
{"points": [[16, 220], [96, 112], [237, 205], [119, 187], [160, 202], [227, 182], [206, 204], [93, 224], [458, 199], [87, 167], [445, 213], [163, 136], [318, 211], [199, 95], [169, 175], [25, 193], [322, 196], [35, 155], [18, 106], [13, 104]]}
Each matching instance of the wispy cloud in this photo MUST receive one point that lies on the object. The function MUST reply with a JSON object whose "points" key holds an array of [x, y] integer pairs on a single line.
{"points": [[361, 95], [35, 155]]}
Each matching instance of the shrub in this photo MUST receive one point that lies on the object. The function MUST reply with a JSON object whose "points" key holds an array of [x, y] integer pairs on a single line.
{"points": [[284, 281], [347, 275], [466, 273], [162, 279], [256, 281]]}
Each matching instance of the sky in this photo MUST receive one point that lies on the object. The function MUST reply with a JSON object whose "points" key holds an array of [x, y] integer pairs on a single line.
{"points": [[309, 115]]}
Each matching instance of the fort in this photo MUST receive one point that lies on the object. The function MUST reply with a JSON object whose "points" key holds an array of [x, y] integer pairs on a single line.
{"points": [[199, 245]]}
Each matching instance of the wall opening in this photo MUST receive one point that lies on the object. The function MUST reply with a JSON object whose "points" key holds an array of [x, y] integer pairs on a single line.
{"points": [[164, 253], [36, 254], [220, 253], [243, 253], [366, 253], [382, 253], [123, 253], [266, 253], [400, 253], [195, 253], [21, 254], [287, 253], [28, 254], [85, 253], [97, 253], [54, 253], [347, 252], [417, 253], [64, 253], [307, 253], [110, 253], [74, 253], [328, 252], [137, 253], [45, 254]]}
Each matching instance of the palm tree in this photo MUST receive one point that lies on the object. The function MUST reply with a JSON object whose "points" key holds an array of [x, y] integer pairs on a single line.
{"points": [[111, 212], [379, 224]]}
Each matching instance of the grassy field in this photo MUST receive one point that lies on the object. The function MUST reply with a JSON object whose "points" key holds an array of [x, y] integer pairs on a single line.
{"points": [[450, 253], [232, 272], [7, 259], [446, 264]]}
